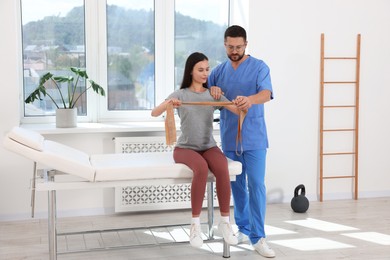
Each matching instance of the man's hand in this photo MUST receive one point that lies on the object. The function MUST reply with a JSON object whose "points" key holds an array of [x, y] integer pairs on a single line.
{"points": [[216, 92], [242, 102]]}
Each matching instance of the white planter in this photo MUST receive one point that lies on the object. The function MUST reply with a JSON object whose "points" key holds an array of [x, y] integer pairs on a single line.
{"points": [[66, 118]]}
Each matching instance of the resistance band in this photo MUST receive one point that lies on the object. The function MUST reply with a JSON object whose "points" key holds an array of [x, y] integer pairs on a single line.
{"points": [[170, 126]]}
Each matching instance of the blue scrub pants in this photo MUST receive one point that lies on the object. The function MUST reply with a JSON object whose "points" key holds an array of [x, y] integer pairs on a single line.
{"points": [[249, 193]]}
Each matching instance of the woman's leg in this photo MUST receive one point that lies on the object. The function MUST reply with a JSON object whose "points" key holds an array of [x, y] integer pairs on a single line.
{"points": [[198, 165], [217, 163]]}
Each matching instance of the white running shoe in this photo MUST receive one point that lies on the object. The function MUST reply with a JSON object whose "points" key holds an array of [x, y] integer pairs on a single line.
{"points": [[263, 249], [196, 236], [241, 237], [227, 233]]}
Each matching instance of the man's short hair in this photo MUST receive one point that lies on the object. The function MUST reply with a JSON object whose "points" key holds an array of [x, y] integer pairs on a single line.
{"points": [[235, 31]]}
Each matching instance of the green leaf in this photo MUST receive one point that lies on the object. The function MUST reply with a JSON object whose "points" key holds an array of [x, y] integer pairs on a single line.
{"points": [[62, 79], [41, 92], [97, 88]]}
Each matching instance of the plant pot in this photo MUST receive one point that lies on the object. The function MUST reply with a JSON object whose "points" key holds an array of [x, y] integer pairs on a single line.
{"points": [[66, 117]]}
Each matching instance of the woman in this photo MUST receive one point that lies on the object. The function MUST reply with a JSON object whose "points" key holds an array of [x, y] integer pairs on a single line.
{"points": [[196, 146]]}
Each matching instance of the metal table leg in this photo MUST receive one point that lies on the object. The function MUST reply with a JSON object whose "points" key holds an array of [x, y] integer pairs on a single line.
{"points": [[210, 209], [210, 212], [226, 250], [33, 186], [52, 219]]}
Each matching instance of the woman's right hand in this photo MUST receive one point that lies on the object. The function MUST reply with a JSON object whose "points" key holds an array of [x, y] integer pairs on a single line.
{"points": [[175, 102], [158, 110]]}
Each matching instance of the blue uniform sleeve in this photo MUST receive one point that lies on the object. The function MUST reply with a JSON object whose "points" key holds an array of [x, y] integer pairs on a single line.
{"points": [[264, 80]]}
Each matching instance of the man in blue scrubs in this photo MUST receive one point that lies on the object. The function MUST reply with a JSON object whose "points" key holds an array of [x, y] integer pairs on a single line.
{"points": [[246, 80]]}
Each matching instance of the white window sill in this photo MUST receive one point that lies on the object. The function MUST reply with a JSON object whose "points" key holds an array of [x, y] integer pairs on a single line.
{"points": [[114, 127]]}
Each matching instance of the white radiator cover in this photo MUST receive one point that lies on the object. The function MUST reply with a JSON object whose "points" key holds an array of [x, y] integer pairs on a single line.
{"points": [[153, 197]]}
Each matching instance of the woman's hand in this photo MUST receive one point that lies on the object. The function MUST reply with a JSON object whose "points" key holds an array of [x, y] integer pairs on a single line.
{"points": [[158, 110], [175, 102]]}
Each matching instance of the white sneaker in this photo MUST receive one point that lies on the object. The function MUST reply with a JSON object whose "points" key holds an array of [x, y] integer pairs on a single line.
{"points": [[263, 249], [196, 236], [241, 237], [227, 232]]}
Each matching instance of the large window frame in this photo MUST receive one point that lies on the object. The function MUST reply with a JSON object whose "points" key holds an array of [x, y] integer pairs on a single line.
{"points": [[96, 59]]}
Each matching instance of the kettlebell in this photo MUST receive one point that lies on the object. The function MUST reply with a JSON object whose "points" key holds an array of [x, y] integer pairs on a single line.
{"points": [[300, 203]]}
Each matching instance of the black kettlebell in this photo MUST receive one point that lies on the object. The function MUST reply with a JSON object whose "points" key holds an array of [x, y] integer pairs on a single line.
{"points": [[299, 203]]}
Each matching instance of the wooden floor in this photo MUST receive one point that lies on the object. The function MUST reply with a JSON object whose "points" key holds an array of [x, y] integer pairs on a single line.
{"points": [[346, 229]]}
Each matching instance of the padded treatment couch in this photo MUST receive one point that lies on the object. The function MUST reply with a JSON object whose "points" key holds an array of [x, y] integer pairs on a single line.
{"points": [[98, 171]]}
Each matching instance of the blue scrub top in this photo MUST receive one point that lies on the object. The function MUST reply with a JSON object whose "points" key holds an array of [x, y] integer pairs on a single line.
{"points": [[251, 76]]}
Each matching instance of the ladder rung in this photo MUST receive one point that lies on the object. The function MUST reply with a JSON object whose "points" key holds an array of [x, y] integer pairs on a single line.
{"points": [[338, 130], [339, 153], [339, 82], [338, 106], [338, 177], [340, 58]]}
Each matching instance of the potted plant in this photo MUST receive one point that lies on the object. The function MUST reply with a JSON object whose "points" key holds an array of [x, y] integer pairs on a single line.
{"points": [[66, 105]]}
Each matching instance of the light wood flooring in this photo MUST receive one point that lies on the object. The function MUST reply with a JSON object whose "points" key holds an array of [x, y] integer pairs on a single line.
{"points": [[341, 229]]}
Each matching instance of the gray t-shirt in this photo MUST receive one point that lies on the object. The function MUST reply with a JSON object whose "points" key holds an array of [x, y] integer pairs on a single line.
{"points": [[196, 121]]}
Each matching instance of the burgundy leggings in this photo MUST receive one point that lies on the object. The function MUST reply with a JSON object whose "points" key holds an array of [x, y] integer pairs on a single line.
{"points": [[200, 162]]}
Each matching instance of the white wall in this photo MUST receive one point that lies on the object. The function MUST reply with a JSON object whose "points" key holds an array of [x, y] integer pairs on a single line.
{"points": [[285, 34]]}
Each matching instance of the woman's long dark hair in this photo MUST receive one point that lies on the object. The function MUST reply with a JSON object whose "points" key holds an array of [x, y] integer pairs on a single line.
{"points": [[190, 64]]}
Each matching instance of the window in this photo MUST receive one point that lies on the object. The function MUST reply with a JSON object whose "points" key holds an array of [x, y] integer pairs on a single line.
{"points": [[130, 51], [51, 43], [199, 26], [135, 49]]}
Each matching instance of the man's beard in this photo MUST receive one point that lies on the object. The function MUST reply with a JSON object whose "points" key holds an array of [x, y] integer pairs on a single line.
{"points": [[236, 57]]}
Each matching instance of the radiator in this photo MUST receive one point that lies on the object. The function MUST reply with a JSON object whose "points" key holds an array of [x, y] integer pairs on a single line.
{"points": [[153, 197]]}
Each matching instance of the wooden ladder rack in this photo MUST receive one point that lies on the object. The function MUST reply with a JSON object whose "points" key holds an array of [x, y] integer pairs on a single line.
{"points": [[355, 129]]}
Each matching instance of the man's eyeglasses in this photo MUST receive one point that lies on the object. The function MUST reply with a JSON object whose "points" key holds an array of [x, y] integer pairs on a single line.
{"points": [[238, 48]]}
